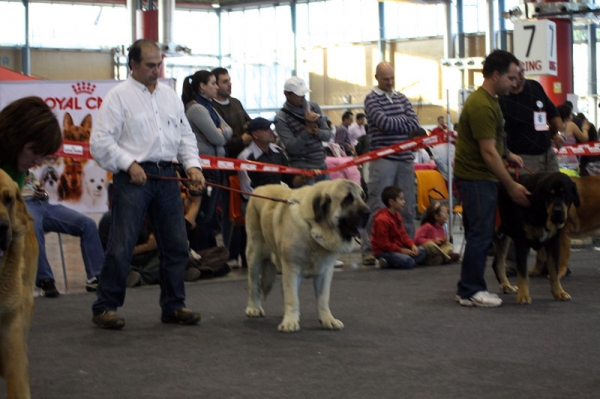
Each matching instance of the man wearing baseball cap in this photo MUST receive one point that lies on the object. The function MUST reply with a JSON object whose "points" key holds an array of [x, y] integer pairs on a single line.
{"points": [[262, 149], [302, 127]]}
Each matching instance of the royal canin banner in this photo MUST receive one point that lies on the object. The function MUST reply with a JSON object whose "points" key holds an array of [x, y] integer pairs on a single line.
{"points": [[75, 180], [72, 178]]}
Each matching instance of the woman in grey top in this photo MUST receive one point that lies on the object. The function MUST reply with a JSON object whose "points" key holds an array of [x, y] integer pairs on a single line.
{"points": [[212, 133]]}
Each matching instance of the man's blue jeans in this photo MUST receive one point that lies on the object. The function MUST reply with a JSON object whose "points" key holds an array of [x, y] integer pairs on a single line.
{"points": [[60, 219], [479, 199], [161, 199]]}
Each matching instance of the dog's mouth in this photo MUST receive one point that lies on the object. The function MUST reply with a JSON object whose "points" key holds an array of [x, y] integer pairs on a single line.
{"points": [[353, 225], [5, 237]]}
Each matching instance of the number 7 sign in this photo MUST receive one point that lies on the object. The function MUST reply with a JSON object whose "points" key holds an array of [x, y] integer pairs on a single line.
{"points": [[535, 45]]}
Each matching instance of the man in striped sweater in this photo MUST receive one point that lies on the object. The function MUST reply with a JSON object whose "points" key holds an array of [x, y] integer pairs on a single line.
{"points": [[391, 118]]}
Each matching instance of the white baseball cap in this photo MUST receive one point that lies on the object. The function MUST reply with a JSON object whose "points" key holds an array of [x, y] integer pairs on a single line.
{"points": [[296, 86]]}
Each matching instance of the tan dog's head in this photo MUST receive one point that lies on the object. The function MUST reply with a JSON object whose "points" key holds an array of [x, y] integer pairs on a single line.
{"points": [[14, 217], [339, 209], [74, 132]]}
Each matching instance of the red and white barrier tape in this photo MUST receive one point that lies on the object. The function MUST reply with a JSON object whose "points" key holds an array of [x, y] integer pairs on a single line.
{"points": [[78, 150], [583, 149], [82, 151]]}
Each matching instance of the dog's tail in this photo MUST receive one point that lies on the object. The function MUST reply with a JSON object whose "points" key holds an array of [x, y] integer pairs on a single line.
{"points": [[268, 276]]}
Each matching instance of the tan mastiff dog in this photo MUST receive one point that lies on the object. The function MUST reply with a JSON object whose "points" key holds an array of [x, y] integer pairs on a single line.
{"points": [[301, 239], [18, 265]]}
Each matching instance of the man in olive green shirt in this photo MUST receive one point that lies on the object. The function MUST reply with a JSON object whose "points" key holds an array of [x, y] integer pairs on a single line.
{"points": [[479, 166]]}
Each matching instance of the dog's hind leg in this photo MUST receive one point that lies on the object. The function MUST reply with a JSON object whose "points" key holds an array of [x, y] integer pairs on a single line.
{"points": [[322, 284], [499, 265], [552, 257], [540, 263], [522, 250], [290, 279]]}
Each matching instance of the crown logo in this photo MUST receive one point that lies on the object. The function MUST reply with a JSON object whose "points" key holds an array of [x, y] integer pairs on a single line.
{"points": [[84, 87]]}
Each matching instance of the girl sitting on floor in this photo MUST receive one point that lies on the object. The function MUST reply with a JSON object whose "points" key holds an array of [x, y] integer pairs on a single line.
{"points": [[432, 236]]}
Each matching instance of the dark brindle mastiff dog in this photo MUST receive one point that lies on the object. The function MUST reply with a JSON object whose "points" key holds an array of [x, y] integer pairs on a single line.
{"points": [[582, 222], [18, 266], [538, 227], [300, 240]]}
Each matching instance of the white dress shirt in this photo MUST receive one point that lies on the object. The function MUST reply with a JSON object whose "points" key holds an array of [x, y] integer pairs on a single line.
{"points": [[136, 125]]}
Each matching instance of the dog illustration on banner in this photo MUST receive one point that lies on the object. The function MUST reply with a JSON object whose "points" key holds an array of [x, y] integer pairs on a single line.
{"points": [[77, 183], [49, 180], [95, 182], [70, 187], [80, 133]]}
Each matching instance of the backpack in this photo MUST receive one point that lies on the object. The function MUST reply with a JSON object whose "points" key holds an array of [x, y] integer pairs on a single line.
{"points": [[212, 262]]}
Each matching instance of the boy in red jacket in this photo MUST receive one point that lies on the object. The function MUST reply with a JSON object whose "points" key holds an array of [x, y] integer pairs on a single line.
{"points": [[391, 244]]}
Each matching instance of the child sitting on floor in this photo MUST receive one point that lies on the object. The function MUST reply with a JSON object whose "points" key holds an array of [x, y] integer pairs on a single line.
{"points": [[432, 236], [391, 244]]}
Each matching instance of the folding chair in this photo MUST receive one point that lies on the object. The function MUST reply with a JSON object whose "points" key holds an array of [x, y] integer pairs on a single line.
{"points": [[236, 216], [62, 259]]}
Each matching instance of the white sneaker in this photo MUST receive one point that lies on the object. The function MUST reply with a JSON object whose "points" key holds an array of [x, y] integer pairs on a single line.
{"points": [[482, 299], [338, 263]]}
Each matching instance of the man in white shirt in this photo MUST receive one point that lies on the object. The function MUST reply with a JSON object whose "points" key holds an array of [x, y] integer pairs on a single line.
{"points": [[141, 129]]}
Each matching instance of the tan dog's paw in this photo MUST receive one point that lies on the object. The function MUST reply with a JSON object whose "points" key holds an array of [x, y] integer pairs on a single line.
{"points": [[562, 296], [332, 324], [509, 289], [289, 324], [523, 299], [255, 312]]}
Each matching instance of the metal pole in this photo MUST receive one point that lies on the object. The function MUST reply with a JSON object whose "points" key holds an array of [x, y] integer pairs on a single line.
{"points": [[460, 29], [448, 152], [448, 39], [502, 26], [490, 34], [26, 51], [592, 74], [295, 34], [381, 31]]}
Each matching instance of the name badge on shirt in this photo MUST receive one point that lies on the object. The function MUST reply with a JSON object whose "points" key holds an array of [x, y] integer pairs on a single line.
{"points": [[539, 121]]}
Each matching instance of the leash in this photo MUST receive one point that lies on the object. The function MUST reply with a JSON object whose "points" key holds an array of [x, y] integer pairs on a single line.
{"points": [[524, 167], [182, 179]]}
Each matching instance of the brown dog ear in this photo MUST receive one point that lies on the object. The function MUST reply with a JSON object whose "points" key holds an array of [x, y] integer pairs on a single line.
{"points": [[87, 122], [321, 207], [67, 121]]}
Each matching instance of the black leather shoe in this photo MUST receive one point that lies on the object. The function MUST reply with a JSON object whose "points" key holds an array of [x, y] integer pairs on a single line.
{"points": [[48, 288], [109, 320], [182, 316]]}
